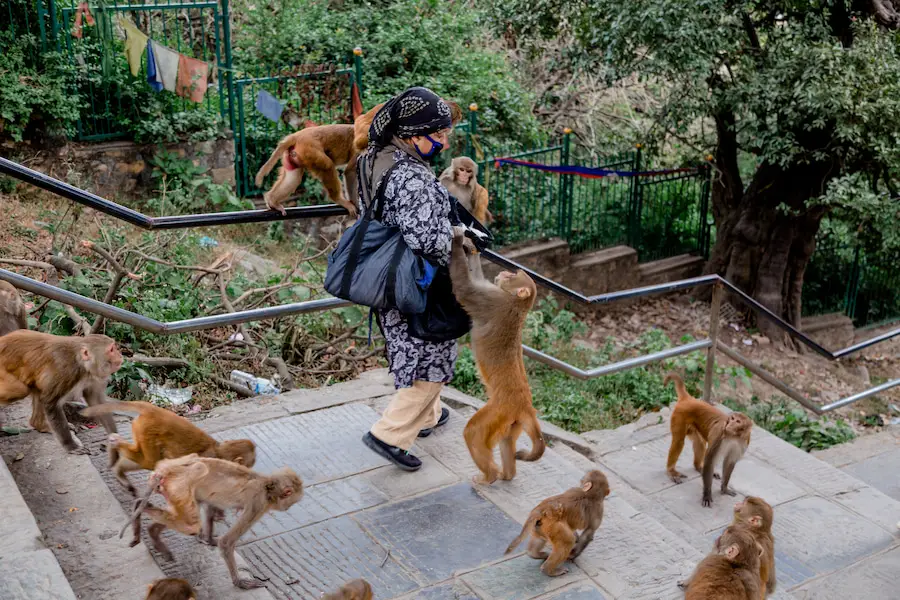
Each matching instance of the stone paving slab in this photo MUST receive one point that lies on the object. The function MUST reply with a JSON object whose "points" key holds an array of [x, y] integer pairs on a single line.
{"points": [[644, 465], [33, 576], [519, 579], [19, 531], [881, 472], [861, 448], [436, 535], [875, 578], [305, 563], [824, 535], [320, 445], [455, 590], [873, 505], [578, 591]]}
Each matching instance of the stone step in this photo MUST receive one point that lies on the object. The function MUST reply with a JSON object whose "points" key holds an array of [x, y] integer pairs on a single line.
{"points": [[670, 269]]}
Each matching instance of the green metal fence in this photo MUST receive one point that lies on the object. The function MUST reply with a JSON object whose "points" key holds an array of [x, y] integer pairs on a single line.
{"points": [[114, 101], [319, 93]]}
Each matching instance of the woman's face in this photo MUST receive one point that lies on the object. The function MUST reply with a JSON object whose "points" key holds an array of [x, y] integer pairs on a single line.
{"points": [[425, 146]]}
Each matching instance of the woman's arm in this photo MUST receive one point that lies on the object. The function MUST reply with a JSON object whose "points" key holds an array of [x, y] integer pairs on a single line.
{"points": [[422, 207]]}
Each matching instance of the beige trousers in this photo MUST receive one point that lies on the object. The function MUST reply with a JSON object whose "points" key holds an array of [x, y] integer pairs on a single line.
{"points": [[411, 410]]}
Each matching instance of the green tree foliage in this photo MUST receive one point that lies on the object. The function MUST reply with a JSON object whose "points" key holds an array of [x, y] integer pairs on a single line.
{"points": [[436, 43], [804, 95]]}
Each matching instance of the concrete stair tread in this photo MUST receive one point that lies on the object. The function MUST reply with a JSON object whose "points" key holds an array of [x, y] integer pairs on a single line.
{"points": [[602, 256], [672, 262]]}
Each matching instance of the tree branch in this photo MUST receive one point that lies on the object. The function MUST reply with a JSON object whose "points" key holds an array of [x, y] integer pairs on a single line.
{"points": [[52, 274]]}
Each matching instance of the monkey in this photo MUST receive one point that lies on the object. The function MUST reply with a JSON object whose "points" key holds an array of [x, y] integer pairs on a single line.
{"points": [[706, 424], [158, 434], [52, 368], [319, 150], [363, 122], [498, 313], [13, 315], [170, 588], [729, 572], [192, 483], [756, 516], [358, 589], [460, 179], [558, 519]]}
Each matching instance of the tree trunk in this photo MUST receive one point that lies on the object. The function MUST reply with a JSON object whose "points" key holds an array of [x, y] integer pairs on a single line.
{"points": [[760, 247]]}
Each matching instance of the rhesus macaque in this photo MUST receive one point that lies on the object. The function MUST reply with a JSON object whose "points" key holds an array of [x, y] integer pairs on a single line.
{"points": [[192, 482], [364, 121], [170, 589], [53, 368], [729, 572], [498, 313], [756, 516], [13, 315], [711, 432], [319, 150], [559, 518], [358, 589], [158, 434], [460, 179]]}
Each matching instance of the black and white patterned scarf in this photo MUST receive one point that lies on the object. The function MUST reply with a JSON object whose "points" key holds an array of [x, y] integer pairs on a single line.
{"points": [[417, 111]]}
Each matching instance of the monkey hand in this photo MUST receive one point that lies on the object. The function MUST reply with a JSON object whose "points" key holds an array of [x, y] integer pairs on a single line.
{"points": [[707, 499], [459, 231]]}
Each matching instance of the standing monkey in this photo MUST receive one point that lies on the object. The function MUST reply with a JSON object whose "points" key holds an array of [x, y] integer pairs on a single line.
{"points": [[13, 315], [191, 482], [159, 434], [498, 312], [52, 368], [319, 150], [559, 518], [705, 424], [729, 572], [461, 180]]}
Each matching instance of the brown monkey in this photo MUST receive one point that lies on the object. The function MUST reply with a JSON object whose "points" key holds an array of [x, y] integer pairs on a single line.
{"points": [[706, 424], [159, 433], [364, 121], [498, 313], [170, 589], [13, 315], [52, 368], [558, 519], [358, 589], [191, 482], [460, 179], [319, 150], [756, 516], [729, 572]]}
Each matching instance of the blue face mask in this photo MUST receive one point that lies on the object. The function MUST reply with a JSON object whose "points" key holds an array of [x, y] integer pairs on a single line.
{"points": [[436, 148]]}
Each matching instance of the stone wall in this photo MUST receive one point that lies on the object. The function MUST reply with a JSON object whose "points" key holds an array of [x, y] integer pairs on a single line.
{"points": [[123, 168]]}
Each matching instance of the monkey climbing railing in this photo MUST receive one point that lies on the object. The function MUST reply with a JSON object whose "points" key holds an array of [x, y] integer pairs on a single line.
{"points": [[711, 344]]}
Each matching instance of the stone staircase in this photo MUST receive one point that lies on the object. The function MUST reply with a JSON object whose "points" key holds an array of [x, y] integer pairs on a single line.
{"points": [[433, 535]]}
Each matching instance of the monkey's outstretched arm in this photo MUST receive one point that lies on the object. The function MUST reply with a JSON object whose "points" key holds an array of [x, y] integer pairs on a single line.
{"points": [[474, 294]]}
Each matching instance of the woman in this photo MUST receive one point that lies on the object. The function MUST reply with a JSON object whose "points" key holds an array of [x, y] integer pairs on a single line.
{"points": [[411, 128]]}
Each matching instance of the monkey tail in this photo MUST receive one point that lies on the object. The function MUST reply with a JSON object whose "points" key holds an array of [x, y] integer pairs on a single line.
{"points": [[282, 147], [533, 429], [529, 524], [110, 407], [679, 385]]}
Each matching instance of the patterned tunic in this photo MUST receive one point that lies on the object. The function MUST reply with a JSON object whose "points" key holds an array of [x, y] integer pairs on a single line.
{"points": [[419, 205]]}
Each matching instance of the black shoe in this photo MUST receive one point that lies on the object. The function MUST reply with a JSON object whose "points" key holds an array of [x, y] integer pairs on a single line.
{"points": [[401, 458], [445, 416]]}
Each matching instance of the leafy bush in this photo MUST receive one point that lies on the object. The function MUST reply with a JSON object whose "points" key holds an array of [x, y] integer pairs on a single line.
{"points": [[795, 425], [184, 187]]}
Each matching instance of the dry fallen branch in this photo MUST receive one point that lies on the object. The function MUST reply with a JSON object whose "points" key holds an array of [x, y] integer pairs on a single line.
{"points": [[120, 273], [160, 361], [52, 274]]}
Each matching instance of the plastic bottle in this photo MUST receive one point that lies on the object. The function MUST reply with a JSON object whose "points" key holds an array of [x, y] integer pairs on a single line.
{"points": [[258, 385]]}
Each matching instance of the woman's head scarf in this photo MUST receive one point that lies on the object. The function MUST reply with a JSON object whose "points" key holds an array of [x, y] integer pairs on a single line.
{"points": [[417, 111]]}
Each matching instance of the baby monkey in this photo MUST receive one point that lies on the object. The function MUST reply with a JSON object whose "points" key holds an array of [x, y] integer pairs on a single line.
{"points": [[170, 589], [729, 572], [558, 519], [358, 589]]}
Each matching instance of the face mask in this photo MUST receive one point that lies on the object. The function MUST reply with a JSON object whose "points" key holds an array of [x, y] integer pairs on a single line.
{"points": [[436, 148]]}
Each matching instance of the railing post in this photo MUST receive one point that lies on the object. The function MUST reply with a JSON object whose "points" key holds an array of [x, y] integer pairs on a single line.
{"points": [[713, 336], [704, 232], [229, 65], [565, 187], [853, 285], [358, 69], [634, 210]]}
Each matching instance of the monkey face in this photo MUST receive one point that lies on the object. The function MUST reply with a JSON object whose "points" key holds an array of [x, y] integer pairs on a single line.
{"points": [[463, 175], [738, 424], [464, 170], [519, 285]]}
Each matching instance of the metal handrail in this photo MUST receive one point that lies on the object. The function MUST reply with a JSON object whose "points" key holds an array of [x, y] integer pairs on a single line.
{"points": [[712, 344]]}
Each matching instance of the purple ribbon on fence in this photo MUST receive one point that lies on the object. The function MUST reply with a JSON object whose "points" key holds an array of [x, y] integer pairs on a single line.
{"points": [[588, 172]]}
